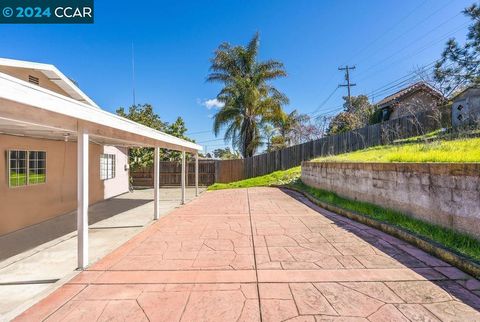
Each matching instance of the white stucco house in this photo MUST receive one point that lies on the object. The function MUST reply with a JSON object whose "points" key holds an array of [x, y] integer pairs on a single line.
{"points": [[61, 152]]}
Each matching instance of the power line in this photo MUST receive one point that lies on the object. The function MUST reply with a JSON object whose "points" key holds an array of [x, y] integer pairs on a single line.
{"points": [[324, 101], [218, 145], [331, 111], [404, 33], [392, 85], [213, 140], [402, 81], [395, 87], [409, 75], [407, 78], [423, 48], [200, 132], [388, 30], [337, 108]]}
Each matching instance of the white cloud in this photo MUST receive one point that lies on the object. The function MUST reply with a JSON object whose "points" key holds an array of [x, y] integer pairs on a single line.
{"points": [[211, 103]]}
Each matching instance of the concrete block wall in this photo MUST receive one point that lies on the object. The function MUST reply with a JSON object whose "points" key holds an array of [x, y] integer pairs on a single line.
{"points": [[440, 193]]}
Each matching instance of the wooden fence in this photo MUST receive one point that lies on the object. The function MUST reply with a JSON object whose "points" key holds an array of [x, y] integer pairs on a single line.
{"points": [[372, 135], [224, 171], [229, 170], [170, 174]]}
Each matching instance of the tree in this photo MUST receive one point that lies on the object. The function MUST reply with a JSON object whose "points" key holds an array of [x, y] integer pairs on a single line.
{"points": [[277, 143], [177, 129], [225, 154], [249, 100], [268, 133], [143, 114], [291, 126], [459, 66], [294, 128], [341, 123], [354, 115]]}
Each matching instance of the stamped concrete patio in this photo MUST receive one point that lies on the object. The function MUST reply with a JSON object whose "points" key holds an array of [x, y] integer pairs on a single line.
{"points": [[262, 254]]}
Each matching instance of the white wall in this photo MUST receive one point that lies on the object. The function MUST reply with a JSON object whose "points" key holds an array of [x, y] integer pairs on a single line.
{"points": [[119, 184]]}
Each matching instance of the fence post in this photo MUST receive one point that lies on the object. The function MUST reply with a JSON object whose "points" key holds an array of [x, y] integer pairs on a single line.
{"points": [[217, 171]]}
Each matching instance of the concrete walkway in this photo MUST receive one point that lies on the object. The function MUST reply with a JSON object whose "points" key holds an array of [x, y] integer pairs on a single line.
{"points": [[27, 277], [262, 254]]}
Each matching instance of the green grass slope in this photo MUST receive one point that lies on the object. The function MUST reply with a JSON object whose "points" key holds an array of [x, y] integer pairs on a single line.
{"points": [[456, 241], [274, 178], [461, 150]]}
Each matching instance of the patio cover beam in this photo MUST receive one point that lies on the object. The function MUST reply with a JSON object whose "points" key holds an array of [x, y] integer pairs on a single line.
{"points": [[23, 101], [56, 116]]}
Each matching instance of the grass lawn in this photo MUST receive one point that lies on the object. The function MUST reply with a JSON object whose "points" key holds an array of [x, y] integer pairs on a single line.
{"points": [[460, 150], [461, 243], [275, 178]]}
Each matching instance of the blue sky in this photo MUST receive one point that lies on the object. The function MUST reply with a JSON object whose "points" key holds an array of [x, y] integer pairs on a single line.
{"points": [[174, 40]]}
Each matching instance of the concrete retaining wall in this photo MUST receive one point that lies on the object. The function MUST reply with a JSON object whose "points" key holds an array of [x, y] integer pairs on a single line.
{"points": [[444, 194]]}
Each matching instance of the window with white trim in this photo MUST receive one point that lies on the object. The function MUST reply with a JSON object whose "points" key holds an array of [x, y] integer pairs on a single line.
{"points": [[26, 167], [107, 166]]}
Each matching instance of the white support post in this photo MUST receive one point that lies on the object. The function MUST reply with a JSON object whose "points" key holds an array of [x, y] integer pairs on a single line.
{"points": [[156, 184], [82, 197], [183, 178], [196, 174]]}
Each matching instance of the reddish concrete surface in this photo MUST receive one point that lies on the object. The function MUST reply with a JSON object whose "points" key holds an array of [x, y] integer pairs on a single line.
{"points": [[262, 254]]}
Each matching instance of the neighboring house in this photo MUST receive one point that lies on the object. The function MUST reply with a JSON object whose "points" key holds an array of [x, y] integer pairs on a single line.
{"points": [[466, 107], [416, 98], [60, 151]]}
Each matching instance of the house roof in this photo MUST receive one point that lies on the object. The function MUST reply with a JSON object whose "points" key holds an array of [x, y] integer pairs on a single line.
{"points": [[467, 91], [54, 75], [408, 91], [30, 110]]}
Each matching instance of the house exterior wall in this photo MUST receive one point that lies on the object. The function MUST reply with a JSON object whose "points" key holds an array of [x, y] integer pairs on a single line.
{"points": [[466, 108], [119, 184], [24, 206], [444, 194], [22, 73], [420, 101]]}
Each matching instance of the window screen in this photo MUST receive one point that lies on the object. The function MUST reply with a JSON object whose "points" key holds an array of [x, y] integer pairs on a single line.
{"points": [[26, 167], [107, 166], [37, 167]]}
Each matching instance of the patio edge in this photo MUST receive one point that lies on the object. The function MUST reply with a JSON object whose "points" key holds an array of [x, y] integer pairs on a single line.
{"points": [[458, 260]]}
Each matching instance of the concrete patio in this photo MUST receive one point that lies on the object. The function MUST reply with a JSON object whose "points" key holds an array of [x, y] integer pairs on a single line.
{"points": [[261, 254], [28, 276]]}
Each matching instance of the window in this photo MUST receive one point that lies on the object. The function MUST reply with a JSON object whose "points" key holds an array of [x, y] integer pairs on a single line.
{"points": [[107, 166], [37, 167], [26, 167]]}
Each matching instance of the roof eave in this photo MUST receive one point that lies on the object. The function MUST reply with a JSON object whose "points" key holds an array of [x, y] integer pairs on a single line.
{"points": [[63, 81], [25, 93]]}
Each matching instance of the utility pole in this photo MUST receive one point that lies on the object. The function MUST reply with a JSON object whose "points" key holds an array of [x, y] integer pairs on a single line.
{"points": [[347, 70]]}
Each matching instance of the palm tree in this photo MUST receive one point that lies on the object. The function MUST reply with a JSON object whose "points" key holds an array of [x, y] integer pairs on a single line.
{"points": [[290, 125], [249, 100]]}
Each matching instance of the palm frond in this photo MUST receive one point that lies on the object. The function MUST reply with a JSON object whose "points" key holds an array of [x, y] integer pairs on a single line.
{"points": [[249, 100]]}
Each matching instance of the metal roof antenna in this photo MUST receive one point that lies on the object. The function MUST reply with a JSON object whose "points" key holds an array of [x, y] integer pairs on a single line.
{"points": [[133, 74]]}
